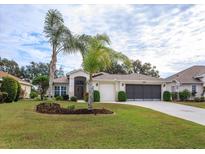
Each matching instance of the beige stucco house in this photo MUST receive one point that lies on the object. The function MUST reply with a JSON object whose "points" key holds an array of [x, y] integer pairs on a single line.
{"points": [[25, 86], [136, 86], [75, 84], [192, 79]]}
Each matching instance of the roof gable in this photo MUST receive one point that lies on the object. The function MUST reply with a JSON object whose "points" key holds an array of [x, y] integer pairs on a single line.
{"points": [[5, 74], [188, 75]]}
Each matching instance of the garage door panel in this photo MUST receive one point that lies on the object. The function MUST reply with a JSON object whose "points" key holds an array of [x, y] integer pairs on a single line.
{"points": [[107, 92], [143, 92], [137, 93], [156, 91], [130, 91], [147, 90]]}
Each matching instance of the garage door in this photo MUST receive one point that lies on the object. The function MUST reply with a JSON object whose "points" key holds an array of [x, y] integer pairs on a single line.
{"points": [[107, 92], [143, 92]]}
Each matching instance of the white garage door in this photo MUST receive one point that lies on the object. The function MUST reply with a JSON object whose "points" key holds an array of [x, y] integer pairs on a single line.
{"points": [[107, 92]]}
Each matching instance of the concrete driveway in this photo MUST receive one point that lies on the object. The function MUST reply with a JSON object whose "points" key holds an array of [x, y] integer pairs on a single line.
{"points": [[190, 113]]}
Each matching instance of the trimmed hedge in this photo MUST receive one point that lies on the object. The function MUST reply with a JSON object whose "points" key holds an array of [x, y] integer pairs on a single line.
{"points": [[10, 86], [96, 95], [122, 97], [73, 99], [167, 96], [18, 91]]}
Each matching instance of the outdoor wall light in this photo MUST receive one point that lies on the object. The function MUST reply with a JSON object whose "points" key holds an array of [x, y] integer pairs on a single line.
{"points": [[122, 84], [96, 84]]}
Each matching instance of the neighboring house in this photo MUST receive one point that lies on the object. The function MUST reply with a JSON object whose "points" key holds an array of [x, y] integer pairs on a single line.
{"points": [[25, 86], [136, 86], [192, 79]]}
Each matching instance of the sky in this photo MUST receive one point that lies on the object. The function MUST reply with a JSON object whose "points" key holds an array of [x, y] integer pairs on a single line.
{"points": [[170, 37]]}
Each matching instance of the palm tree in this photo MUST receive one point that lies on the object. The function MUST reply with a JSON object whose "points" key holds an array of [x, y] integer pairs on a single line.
{"points": [[60, 38], [99, 57]]}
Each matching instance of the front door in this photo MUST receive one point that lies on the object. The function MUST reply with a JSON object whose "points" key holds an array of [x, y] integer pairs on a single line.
{"points": [[79, 91], [80, 87]]}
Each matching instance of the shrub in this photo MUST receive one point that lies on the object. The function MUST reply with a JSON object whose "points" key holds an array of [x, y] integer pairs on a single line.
{"points": [[86, 97], [18, 91], [122, 96], [3, 96], [174, 96], [73, 99], [96, 95], [10, 86], [59, 98], [37, 99], [71, 107], [202, 99], [184, 95], [33, 94], [65, 97], [167, 96], [197, 99]]}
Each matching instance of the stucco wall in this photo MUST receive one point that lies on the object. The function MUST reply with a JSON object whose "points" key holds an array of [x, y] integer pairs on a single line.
{"points": [[27, 90], [199, 88], [71, 81], [121, 85]]}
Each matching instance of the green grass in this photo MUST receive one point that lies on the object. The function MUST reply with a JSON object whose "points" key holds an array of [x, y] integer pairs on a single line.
{"points": [[195, 104], [129, 127]]}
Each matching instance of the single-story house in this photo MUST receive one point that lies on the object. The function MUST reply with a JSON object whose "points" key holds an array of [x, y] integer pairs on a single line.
{"points": [[25, 86], [136, 86], [192, 79]]}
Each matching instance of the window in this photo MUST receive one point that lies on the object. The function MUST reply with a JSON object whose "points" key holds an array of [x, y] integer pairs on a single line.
{"points": [[57, 91], [193, 89], [63, 90], [60, 91]]}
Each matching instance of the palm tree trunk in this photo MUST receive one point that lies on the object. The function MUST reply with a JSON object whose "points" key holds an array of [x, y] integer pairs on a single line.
{"points": [[90, 91], [52, 69]]}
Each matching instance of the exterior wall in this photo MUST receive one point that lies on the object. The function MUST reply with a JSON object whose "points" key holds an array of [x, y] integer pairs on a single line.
{"points": [[71, 81], [60, 84], [199, 88], [121, 85], [27, 90]]}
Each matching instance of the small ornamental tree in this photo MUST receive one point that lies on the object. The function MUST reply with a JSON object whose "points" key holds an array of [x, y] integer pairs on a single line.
{"points": [[9, 85], [42, 82], [18, 91]]}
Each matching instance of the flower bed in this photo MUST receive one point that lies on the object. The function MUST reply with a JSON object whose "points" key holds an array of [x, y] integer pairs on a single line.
{"points": [[54, 108]]}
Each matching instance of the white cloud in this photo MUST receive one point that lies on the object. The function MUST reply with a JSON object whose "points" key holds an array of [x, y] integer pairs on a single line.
{"points": [[171, 37]]}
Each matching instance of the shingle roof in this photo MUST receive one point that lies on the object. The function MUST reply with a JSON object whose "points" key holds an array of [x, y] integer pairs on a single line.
{"points": [[5, 74], [188, 75], [133, 76], [61, 80]]}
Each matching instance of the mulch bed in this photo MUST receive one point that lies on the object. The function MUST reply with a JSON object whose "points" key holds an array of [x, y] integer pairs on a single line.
{"points": [[54, 108]]}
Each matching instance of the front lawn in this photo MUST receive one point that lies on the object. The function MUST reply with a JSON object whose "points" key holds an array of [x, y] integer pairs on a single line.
{"points": [[129, 127], [195, 104]]}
